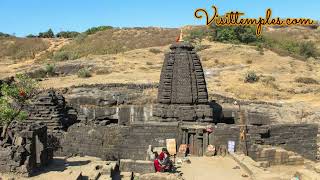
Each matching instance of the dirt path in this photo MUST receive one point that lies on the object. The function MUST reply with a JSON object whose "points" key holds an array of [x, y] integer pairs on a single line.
{"points": [[202, 168], [10, 69]]}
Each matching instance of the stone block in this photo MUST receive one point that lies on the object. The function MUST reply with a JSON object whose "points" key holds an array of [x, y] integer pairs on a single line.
{"points": [[139, 166]]}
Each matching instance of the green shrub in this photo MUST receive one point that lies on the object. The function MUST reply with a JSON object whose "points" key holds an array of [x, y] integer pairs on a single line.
{"points": [[47, 34], [67, 34], [246, 34], [306, 80], [61, 56], [50, 69], [288, 46], [308, 49], [226, 34], [15, 98], [155, 51], [65, 55], [94, 30], [251, 77], [242, 34], [84, 73]]}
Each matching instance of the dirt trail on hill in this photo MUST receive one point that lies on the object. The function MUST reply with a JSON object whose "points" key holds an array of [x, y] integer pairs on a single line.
{"points": [[55, 45], [10, 69]]}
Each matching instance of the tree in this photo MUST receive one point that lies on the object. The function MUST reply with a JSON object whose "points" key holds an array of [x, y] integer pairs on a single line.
{"points": [[48, 34]]}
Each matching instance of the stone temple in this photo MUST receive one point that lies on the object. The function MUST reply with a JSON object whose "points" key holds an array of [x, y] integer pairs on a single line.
{"points": [[182, 92], [94, 120]]}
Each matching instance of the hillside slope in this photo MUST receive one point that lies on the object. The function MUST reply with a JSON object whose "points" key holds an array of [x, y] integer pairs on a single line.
{"points": [[143, 52], [225, 66], [114, 41]]}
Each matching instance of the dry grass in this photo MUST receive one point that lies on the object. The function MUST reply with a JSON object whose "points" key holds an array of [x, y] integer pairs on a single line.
{"points": [[115, 41], [21, 48], [294, 34], [288, 41]]}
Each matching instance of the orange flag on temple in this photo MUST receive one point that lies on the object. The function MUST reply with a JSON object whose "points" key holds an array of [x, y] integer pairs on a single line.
{"points": [[178, 39]]}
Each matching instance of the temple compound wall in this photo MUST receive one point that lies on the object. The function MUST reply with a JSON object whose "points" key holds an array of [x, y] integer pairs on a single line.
{"points": [[114, 142], [299, 138], [131, 142]]}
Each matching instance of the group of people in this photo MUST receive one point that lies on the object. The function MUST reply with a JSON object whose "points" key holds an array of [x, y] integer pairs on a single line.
{"points": [[162, 162]]}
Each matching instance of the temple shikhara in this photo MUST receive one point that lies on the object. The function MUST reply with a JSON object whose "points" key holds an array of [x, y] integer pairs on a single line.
{"points": [[182, 93]]}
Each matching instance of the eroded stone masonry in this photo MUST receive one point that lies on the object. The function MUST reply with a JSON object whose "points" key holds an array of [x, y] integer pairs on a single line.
{"points": [[102, 121]]}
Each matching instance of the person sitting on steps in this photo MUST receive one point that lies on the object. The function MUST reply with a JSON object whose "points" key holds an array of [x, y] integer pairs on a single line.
{"points": [[156, 163], [165, 161]]}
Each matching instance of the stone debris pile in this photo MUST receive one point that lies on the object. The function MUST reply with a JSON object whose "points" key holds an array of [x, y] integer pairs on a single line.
{"points": [[23, 148]]}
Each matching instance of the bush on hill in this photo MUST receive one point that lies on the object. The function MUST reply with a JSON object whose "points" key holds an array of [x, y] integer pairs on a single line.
{"points": [[4, 35], [251, 77], [84, 73], [47, 34], [65, 55], [308, 49], [93, 30], [281, 43], [238, 34], [67, 34], [31, 36]]}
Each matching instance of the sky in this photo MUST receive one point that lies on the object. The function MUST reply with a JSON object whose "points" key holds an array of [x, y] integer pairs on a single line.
{"points": [[23, 17]]}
